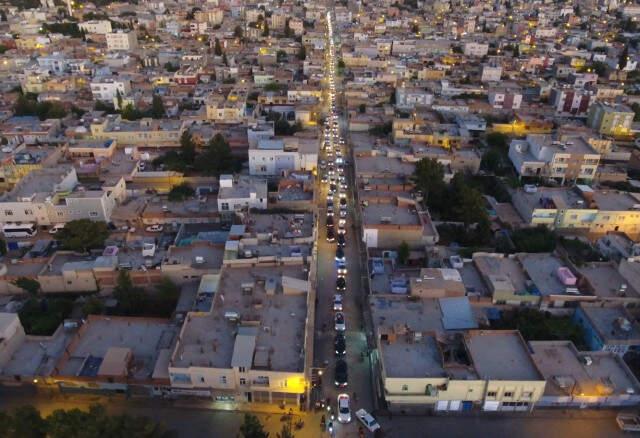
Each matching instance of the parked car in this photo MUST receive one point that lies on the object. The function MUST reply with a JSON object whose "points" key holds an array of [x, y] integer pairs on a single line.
{"points": [[156, 228], [340, 324], [340, 344], [367, 420], [337, 302], [341, 284], [340, 255], [331, 236], [341, 268], [341, 373], [341, 240], [344, 411]]}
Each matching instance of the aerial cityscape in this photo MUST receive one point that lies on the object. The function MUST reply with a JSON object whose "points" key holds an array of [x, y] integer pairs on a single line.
{"points": [[291, 219]]}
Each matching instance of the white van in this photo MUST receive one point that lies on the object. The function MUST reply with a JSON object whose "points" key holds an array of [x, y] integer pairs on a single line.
{"points": [[56, 228]]}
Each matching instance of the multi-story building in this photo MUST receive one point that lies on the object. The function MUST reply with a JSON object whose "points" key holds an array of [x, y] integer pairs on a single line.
{"points": [[229, 109], [608, 328], [476, 49], [570, 101], [410, 97], [125, 40], [106, 89], [491, 73], [581, 208], [53, 195], [255, 343], [276, 157], [566, 161], [611, 119], [102, 27], [423, 366], [143, 133], [501, 98]]}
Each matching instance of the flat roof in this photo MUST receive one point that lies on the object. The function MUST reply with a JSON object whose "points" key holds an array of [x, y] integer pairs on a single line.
{"points": [[378, 166], [506, 267], [286, 225], [412, 359], [606, 280], [373, 214], [606, 321], [501, 354], [256, 296], [541, 269], [145, 337], [567, 374]]}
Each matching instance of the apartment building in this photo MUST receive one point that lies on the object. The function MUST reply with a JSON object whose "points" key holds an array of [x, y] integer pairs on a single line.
{"points": [[410, 97], [611, 119], [476, 49], [53, 195], [568, 160], [254, 344], [24, 159], [608, 328], [101, 27], [581, 208], [422, 365], [142, 133], [278, 156], [106, 89], [571, 102], [125, 40], [491, 73], [502, 98], [229, 109]]}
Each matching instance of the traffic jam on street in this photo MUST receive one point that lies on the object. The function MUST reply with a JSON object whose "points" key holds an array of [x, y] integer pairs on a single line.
{"points": [[335, 182]]}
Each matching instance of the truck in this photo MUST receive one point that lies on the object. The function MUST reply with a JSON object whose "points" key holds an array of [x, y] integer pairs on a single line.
{"points": [[628, 422]]}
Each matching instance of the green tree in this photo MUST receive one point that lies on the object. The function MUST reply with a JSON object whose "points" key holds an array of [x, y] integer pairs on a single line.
{"points": [[3, 15], [252, 428], [265, 29], [187, 148], [492, 161], [286, 431], [498, 140], [25, 422], [168, 66], [238, 32], [129, 112], [288, 32], [217, 158], [131, 299], [467, 203], [403, 253], [29, 285], [302, 53], [217, 48], [428, 177], [281, 56], [157, 107], [93, 306], [166, 296], [83, 235], [362, 108], [225, 61], [181, 192], [624, 57]]}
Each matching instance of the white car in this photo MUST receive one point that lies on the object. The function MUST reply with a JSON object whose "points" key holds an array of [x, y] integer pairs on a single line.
{"points": [[344, 411], [456, 262], [340, 324], [343, 213], [157, 228], [368, 420], [337, 303]]}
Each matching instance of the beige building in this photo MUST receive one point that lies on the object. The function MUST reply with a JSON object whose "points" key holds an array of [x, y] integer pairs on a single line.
{"points": [[437, 283], [422, 366], [611, 119], [581, 208], [142, 133], [254, 345], [122, 40]]}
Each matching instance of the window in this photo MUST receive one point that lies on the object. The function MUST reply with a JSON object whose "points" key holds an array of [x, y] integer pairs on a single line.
{"points": [[225, 206], [28, 212], [201, 379], [223, 380], [492, 394], [8, 213], [405, 387], [243, 381], [60, 213], [508, 393], [242, 369], [526, 394], [93, 213]]}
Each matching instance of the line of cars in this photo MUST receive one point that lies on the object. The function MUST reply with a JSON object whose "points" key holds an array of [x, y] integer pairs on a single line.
{"points": [[336, 221]]}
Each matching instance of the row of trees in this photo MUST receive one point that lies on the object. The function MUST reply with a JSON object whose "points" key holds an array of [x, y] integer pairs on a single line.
{"points": [[27, 422], [155, 111], [214, 159]]}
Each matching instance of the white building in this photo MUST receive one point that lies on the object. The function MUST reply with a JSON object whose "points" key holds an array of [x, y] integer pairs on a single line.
{"points": [[106, 88], [491, 73], [53, 195], [505, 99], [101, 27], [122, 40], [240, 194], [275, 157], [476, 49], [409, 97]]}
